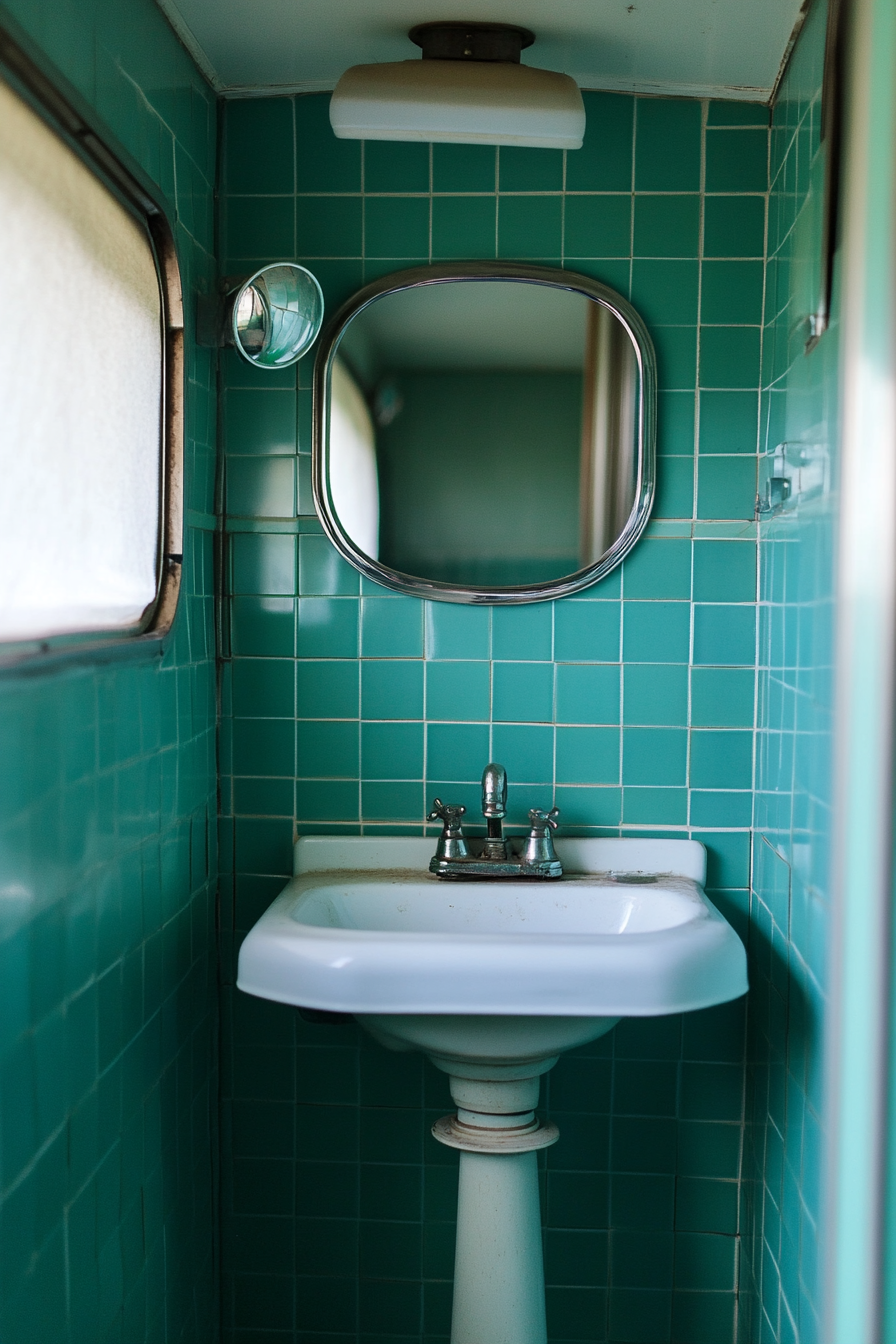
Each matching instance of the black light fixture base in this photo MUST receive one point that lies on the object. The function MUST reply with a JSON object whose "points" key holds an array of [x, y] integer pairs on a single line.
{"points": [[455, 41]]}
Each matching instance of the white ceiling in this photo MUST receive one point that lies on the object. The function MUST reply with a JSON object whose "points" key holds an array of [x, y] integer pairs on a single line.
{"points": [[699, 48]]}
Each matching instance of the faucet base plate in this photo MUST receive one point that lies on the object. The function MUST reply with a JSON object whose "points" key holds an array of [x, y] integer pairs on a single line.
{"points": [[474, 867]]}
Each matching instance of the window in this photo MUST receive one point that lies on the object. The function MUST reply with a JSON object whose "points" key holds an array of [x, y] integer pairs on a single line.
{"points": [[89, 353]]}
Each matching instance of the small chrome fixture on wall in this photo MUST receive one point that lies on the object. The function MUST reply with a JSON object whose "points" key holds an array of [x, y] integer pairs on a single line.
{"points": [[272, 318], [795, 474], [469, 88]]}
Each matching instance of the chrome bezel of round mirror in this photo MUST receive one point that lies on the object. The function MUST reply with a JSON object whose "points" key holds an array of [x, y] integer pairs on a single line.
{"points": [[290, 320], [645, 486]]}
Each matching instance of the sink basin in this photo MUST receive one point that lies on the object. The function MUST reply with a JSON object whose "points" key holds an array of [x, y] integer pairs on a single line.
{"points": [[363, 928], [493, 979]]}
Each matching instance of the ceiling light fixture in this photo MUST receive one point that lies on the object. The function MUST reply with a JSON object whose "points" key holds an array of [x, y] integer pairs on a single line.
{"points": [[469, 89]]}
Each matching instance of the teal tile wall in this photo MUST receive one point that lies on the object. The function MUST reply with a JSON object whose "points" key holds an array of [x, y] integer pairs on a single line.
{"points": [[791, 892], [346, 707], [108, 1080]]}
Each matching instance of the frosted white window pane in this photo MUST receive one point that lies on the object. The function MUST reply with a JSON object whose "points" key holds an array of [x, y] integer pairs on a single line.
{"points": [[80, 392], [353, 479]]}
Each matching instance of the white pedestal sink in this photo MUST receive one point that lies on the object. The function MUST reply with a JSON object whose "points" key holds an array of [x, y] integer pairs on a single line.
{"points": [[493, 980]]}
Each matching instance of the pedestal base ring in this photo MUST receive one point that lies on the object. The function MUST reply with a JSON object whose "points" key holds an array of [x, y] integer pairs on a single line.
{"points": [[473, 1139]]}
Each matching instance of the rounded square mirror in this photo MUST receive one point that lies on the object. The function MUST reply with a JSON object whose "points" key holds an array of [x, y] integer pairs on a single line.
{"points": [[484, 432]]}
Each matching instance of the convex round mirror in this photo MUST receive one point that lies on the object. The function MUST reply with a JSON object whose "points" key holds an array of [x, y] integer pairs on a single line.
{"points": [[485, 432], [276, 315]]}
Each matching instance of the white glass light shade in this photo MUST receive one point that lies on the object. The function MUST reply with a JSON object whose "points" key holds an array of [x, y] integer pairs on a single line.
{"points": [[459, 102]]}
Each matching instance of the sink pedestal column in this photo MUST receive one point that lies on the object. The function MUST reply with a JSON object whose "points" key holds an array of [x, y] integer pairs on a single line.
{"points": [[498, 1268]]}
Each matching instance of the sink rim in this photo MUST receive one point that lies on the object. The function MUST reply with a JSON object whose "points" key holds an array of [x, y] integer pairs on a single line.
{"points": [[691, 965]]}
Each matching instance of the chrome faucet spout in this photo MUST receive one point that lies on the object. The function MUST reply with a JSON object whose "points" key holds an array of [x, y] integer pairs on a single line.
{"points": [[494, 856], [494, 791], [494, 809]]}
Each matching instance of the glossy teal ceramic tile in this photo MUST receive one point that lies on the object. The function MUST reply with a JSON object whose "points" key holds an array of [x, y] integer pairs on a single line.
{"points": [[674, 488], [523, 691], [456, 750], [464, 168], [737, 160], [587, 631], [721, 759], [322, 569], [324, 689], [391, 751], [675, 424], [728, 422], [261, 487], [258, 229], [396, 226], [392, 689], [323, 163], [394, 167], [655, 630], [587, 756], [326, 748], [530, 169], [659, 569], [328, 226], [457, 690], [676, 354], [442, 688], [586, 693], [731, 291], [654, 806], [667, 226], [724, 571], [721, 810], [655, 693], [667, 145], [327, 627], [108, 1122], [726, 113], [456, 631], [256, 422], [597, 226], [722, 697], [255, 164], [729, 356], [654, 756], [263, 563], [464, 227], [530, 227], [523, 632], [724, 635], [666, 291], [391, 627], [726, 487], [604, 163], [734, 226]]}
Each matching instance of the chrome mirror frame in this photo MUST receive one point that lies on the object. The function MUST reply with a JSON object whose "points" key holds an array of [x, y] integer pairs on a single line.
{"points": [[646, 451]]}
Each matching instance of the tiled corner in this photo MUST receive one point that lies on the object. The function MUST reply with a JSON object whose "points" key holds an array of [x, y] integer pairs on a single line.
{"points": [[790, 897]]}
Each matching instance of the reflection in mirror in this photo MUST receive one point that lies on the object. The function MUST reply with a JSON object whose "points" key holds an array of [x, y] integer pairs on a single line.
{"points": [[483, 433]]}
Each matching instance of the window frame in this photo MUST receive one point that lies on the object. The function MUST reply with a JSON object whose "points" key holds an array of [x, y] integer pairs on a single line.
{"points": [[79, 128]]}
